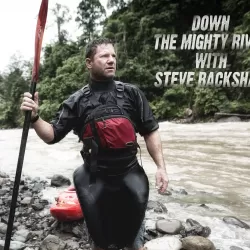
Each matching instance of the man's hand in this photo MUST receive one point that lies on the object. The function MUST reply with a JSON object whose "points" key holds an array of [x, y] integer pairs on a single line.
{"points": [[161, 178], [29, 104]]}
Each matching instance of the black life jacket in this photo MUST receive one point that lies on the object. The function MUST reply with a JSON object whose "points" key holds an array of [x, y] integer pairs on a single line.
{"points": [[108, 134]]}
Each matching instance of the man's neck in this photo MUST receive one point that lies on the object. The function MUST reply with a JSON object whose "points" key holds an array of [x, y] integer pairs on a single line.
{"points": [[102, 85]]}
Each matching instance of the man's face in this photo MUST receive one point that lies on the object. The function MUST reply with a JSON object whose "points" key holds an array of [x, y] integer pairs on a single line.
{"points": [[103, 64]]}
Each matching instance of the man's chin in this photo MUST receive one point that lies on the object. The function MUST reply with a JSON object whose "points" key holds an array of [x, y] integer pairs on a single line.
{"points": [[109, 76], [105, 76]]}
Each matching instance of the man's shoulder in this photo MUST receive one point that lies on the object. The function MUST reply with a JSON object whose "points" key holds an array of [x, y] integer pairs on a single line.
{"points": [[75, 97], [128, 86]]}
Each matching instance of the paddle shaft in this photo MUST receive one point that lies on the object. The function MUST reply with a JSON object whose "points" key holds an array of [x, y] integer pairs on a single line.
{"points": [[42, 17], [15, 191]]}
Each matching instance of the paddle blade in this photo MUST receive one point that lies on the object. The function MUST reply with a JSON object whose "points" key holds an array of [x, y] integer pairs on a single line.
{"points": [[41, 21]]}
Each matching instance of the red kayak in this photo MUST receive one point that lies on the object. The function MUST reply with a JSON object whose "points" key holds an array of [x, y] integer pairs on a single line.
{"points": [[67, 207]]}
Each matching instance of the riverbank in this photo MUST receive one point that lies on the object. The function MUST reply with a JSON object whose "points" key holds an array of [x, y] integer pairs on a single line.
{"points": [[35, 228], [209, 119], [189, 120]]}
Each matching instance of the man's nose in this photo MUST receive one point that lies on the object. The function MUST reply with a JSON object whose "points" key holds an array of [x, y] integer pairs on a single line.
{"points": [[111, 59]]}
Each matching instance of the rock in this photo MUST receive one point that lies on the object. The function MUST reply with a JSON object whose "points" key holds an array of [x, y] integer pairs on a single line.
{"points": [[77, 231], [60, 180], [38, 206], [164, 243], [44, 202], [4, 219], [150, 224], [72, 244], [152, 205], [55, 224], [229, 119], [8, 201], [169, 226], [3, 175], [16, 225], [27, 201], [37, 187], [24, 188], [52, 242], [167, 193], [147, 237], [3, 181], [3, 228], [157, 206], [14, 245], [197, 243], [153, 233], [196, 231], [28, 194], [2, 212], [66, 227], [37, 234], [194, 228], [188, 112], [206, 231], [181, 191], [22, 235], [37, 179], [192, 222], [236, 222], [235, 248], [204, 206], [4, 191]]}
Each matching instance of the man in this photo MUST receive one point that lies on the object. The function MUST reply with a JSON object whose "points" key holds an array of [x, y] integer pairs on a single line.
{"points": [[111, 185]]}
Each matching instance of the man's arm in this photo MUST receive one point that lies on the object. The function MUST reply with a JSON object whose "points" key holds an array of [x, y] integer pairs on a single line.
{"points": [[44, 130], [54, 131], [154, 147], [148, 128]]}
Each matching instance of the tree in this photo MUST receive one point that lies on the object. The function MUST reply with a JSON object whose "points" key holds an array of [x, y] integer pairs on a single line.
{"points": [[119, 4], [61, 13], [90, 15], [12, 86]]}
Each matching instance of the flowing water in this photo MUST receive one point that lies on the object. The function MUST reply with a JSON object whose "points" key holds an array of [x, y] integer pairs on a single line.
{"points": [[211, 162]]}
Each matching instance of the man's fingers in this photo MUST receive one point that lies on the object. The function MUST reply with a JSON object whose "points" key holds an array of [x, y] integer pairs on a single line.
{"points": [[164, 186], [161, 182], [36, 97], [28, 104], [158, 183], [25, 108], [27, 94], [27, 100]]}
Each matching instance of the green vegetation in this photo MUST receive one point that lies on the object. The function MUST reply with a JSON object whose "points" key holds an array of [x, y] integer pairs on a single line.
{"points": [[133, 26]]}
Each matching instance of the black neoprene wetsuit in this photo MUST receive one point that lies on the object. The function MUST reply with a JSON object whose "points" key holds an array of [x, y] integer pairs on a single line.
{"points": [[114, 205]]}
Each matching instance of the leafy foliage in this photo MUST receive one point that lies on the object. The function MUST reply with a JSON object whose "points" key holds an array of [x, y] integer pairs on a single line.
{"points": [[12, 86], [133, 25]]}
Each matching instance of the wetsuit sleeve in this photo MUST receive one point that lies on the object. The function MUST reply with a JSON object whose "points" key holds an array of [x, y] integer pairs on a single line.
{"points": [[146, 121], [63, 122]]}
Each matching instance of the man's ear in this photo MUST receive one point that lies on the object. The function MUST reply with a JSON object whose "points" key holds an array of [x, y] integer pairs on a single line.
{"points": [[88, 63]]}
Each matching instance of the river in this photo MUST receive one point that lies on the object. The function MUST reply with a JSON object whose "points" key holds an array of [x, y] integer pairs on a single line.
{"points": [[210, 161]]}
